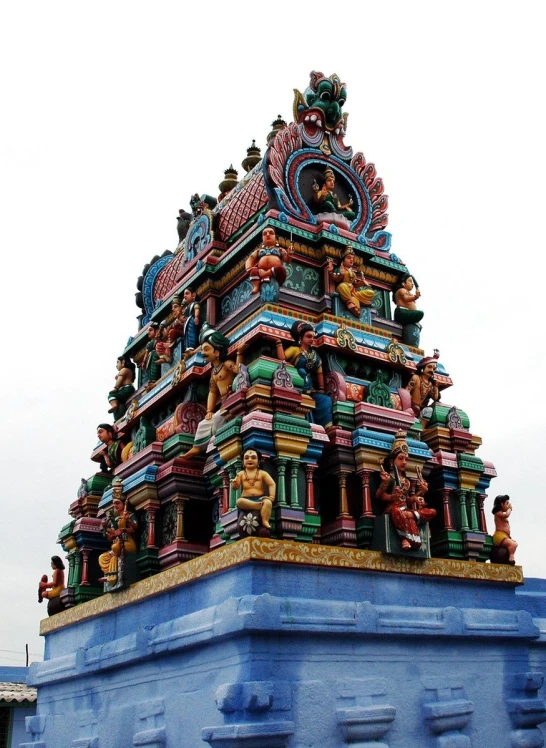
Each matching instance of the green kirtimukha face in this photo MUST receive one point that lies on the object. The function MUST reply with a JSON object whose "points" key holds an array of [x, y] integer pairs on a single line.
{"points": [[330, 96]]}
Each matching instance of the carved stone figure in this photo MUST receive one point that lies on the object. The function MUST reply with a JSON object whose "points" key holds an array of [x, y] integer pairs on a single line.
{"points": [[405, 510], [51, 591], [309, 365], [267, 262], [325, 200], [502, 509], [214, 347], [150, 364], [422, 387], [183, 224], [258, 487], [120, 527], [111, 456], [187, 322], [351, 284], [123, 387], [406, 311]]}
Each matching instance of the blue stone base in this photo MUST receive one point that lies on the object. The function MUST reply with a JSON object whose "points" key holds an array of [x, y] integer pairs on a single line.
{"points": [[271, 643]]}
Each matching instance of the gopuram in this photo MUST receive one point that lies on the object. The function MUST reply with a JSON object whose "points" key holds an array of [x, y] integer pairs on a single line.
{"points": [[284, 541]]}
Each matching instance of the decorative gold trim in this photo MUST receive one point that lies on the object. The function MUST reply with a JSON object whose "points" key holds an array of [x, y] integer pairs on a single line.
{"points": [[281, 552]]}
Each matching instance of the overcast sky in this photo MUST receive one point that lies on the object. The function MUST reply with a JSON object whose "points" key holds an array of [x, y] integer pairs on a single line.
{"points": [[114, 113]]}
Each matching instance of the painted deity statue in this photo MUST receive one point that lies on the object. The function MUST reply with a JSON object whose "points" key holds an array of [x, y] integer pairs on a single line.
{"points": [[111, 455], [351, 284], [150, 363], [51, 591], [187, 320], [423, 388], [325, 199], [309, 365], [258, 487], [120, 527], [123, 388], [406, 512], [406, 312], [502, 509], [214, 347], [267, 261]]}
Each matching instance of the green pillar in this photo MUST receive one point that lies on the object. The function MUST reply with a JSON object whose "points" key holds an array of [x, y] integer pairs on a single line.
{"points": [[463, 513], [294, 495]]}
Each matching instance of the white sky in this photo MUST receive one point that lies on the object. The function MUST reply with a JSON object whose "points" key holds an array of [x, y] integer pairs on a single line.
{"points": [[114, 113]]}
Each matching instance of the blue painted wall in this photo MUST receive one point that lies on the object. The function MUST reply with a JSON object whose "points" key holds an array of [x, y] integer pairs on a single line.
{"points": [[268, 655]]}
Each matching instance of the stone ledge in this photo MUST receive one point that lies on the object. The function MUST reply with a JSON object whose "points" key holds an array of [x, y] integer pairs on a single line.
{"points": [[282, 552]]}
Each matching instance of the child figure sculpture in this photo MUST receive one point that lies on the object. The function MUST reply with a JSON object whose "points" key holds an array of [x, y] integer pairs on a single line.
{"points": [[254, 481], [502, 509]]}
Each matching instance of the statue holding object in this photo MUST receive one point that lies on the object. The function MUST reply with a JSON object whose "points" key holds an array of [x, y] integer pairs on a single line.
{"points": [[123, 389], [111, 455], [351, 284], [150, 363], [120, 527], [51, 591], [187, 322], [255, 481], [309, 365], [406, 312], [326, 202], [266, 263], [405, 511], [214, 347], [422, 387], [502, 509]]}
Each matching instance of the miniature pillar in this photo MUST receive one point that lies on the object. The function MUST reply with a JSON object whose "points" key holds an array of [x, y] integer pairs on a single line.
{"points": [[225, 491], [310, 490], [343, 503], [294, 494], [233, 492], [281, 489], [179, 503], [463, 513], [85, 566], [448, 522], [483, 522], [150, 513], [366, 494], [472, 495]]}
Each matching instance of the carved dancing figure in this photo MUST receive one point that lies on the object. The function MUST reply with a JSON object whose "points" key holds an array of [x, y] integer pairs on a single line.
{"points": [[405, 511], [267, 261], [309, 365], [406, 312], [258, 487], [502, 509], [422, 387], [214, 347], [123, 387], [120, 527], [351, 284]]}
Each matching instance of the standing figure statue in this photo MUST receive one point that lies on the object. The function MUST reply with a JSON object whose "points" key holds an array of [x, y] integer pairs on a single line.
{"points": [[123, 388], [267, 262], [150, 364], [52, 590], [351, 284], [162, 347], [120, 527], [422, 387], [325, 199], [111, 455], [309, 365], [405, 511], [502, 509], [187, 320], [214, 347], [258, 487]]}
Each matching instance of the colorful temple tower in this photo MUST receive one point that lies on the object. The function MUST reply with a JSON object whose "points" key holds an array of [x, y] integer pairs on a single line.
{"points": [[287, 515]]}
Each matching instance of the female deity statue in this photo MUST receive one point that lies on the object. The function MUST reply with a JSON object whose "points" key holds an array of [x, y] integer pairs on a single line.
{"points": [[123, 388], [309, 365], [120, 527], [351, 284], [406, 511], [267, 262], [52, 590], [325, 199]]}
